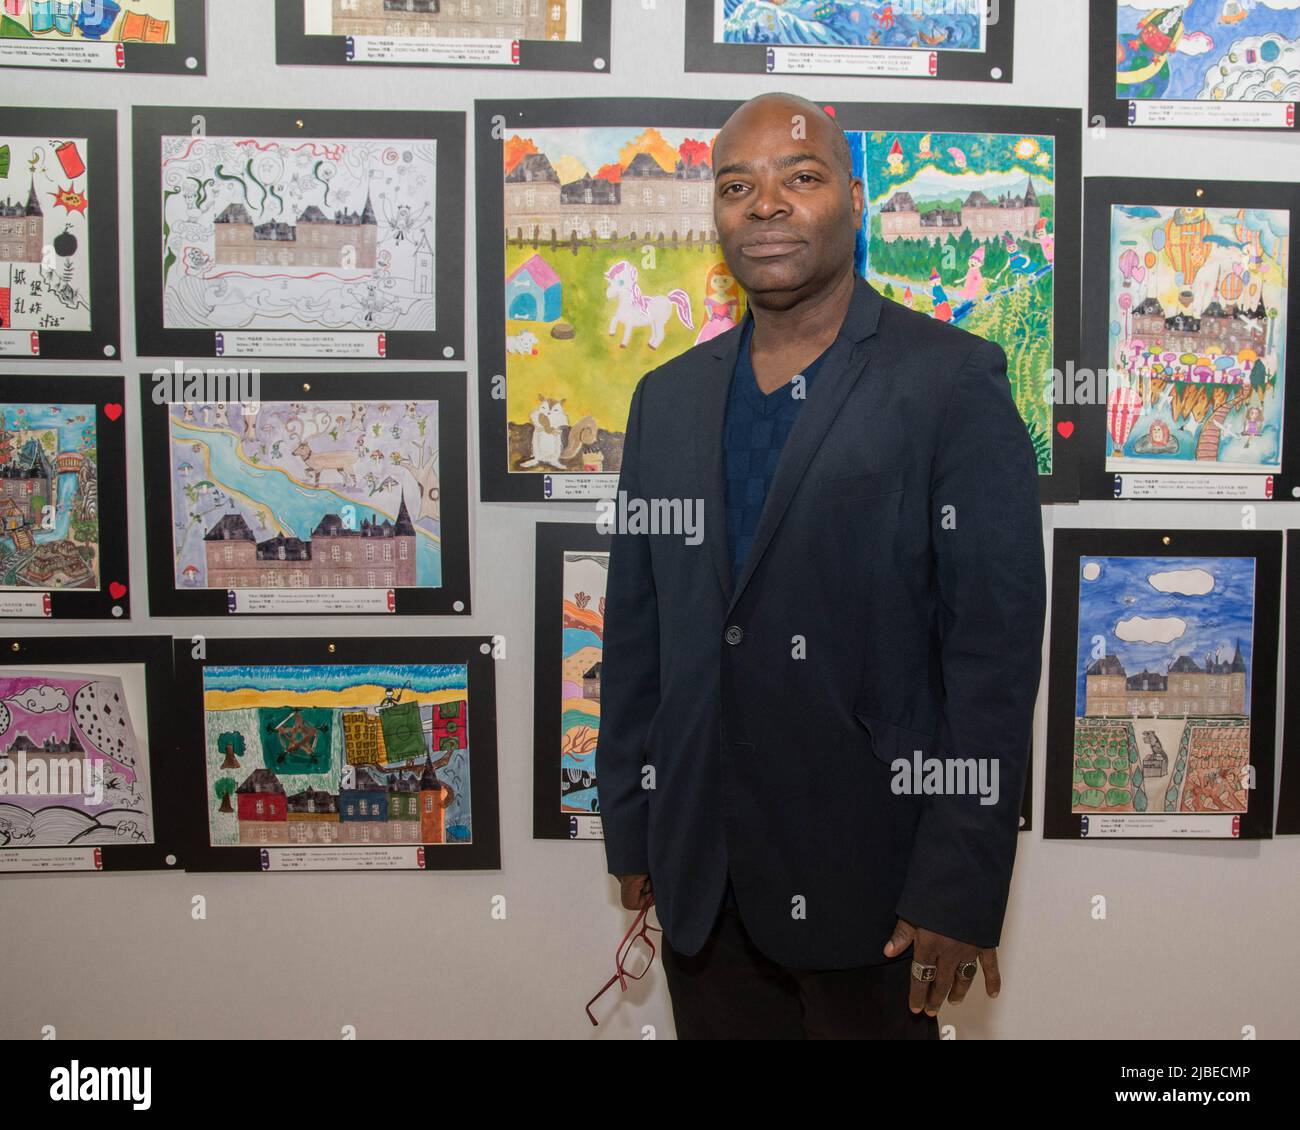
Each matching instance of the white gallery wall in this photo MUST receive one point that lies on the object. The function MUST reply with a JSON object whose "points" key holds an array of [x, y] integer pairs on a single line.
{"points": [[1196, 937]]}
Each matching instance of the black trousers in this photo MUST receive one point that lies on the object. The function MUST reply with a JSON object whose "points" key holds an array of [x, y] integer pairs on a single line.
{"points": [[731, 991]]}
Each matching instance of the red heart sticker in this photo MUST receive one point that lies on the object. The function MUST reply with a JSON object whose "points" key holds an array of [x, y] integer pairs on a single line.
{"points": [[1066, 428], [117, 590], [112, 411]]}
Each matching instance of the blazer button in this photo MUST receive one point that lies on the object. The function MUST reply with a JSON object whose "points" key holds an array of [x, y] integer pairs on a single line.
{"points": [[734, 635]]}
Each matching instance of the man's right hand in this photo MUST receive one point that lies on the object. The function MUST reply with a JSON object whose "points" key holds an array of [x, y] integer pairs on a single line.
{"points": [[635, 891]]}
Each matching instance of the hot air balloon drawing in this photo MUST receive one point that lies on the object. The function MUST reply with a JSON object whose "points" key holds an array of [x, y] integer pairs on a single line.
{"points": [[1185, 245], [1123, 407], [1231, 286], [1248, 237], [1125, 304], [1130, 266]]}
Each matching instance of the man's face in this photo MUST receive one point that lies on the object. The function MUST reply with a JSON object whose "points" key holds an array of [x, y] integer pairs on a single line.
{"points": [[787, 214]]}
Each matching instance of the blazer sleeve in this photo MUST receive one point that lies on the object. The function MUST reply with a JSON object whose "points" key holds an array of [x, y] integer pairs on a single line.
{"points": [[987, 539], [629, 677]]}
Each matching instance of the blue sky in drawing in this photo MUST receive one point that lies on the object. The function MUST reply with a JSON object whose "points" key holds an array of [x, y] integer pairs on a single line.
{"points": [[1121, 600]]}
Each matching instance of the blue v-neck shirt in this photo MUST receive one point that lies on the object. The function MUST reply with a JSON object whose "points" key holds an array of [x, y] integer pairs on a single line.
{"points": [[754, 431]]}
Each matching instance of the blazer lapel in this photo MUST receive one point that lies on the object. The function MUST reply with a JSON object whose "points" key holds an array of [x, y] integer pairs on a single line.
{"points": [[707, 437], [844, 363]]}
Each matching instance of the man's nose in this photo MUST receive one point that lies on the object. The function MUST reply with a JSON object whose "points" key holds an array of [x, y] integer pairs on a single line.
{"points": [[768, 197]]}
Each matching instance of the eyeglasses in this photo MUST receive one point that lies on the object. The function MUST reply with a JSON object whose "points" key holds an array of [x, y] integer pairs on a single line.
{"points": [[635, 951]]}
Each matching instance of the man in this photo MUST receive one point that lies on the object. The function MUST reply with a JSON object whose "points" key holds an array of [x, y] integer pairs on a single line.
{"points": [[870, 584]]}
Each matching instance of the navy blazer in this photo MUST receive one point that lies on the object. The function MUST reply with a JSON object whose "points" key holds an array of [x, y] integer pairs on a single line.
{"points": [[893, 601]]}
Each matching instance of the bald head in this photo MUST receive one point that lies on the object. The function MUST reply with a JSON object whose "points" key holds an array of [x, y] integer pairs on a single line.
{"points": [[815, 120]]}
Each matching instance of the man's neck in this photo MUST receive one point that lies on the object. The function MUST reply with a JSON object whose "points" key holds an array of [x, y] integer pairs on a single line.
{"points": [[783, 342], [814, 321]]}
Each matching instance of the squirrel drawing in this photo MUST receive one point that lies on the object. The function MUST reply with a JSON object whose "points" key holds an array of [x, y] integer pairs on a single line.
{"points": [[548, 420]]}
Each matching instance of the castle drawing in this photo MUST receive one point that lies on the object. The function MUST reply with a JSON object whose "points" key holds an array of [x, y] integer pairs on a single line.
{"points": [[347, 239], [394, 807], [22, 230], [29, 487], [523, 19], [1214, 687], [1223, 329], [648, 200], [984, 218], [48, 750], [374, 555], [25, 481]]}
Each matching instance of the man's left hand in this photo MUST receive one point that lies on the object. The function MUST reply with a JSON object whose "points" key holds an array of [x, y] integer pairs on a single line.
{"points": [[946, 954]]}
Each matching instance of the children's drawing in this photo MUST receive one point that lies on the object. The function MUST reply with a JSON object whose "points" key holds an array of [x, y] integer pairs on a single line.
{"points": [[587, 311], [49, 497], [1198, 300], [1208, 50], [583, 642], [313, 494], [437, 19], [298, 234], [44, 242], [73, 771], [337, 754], [956, 25], [92, 21], [961, 226], [1162, 696]]}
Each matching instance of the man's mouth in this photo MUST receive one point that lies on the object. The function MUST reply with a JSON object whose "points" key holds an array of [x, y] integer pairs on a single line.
{"points": [[769, 245]]}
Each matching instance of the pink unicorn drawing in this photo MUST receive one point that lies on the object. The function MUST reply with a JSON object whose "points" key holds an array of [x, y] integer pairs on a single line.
{"points": [[636, 309]]}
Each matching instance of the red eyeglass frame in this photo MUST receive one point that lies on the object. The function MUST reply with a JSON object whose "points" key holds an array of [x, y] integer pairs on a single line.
{"points": [[621, 975]]}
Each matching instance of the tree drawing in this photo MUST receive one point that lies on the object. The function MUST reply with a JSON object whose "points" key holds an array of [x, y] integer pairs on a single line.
{"points": [[225, 789], [231, 743]]}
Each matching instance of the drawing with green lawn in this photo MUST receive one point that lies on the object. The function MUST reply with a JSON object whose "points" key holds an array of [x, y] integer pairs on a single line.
{"points": [[612, 267]]}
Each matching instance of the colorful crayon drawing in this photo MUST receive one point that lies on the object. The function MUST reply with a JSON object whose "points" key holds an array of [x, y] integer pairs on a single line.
{"points": [[584, 634], [961, 226], [1162, 701], [298, 234], [44, 242], [956, 25], [308, 495], [1210, 50], [337, 755], [588, 311], [49, 497], [92, 21], [73, 771], [438, 19], [1198, 300]]}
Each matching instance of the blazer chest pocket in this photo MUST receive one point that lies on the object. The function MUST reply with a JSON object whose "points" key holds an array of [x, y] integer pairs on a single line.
{"points": [[856, 488], [890, 740]]}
